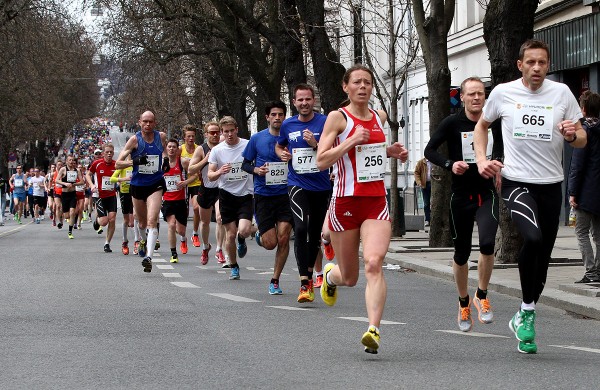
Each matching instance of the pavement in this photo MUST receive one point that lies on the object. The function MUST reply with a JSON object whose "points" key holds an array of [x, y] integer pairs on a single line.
{"points": [[412, 252]]}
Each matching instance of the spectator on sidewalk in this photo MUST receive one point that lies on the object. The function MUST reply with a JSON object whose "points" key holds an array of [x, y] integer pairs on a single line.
{"points": [[423, 180], [584, 188]]}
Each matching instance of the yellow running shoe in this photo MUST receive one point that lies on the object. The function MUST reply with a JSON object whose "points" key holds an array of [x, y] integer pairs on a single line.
{"points": [[174, 259], [370, 340], [311, 290], [304, 295], [328, 292]]}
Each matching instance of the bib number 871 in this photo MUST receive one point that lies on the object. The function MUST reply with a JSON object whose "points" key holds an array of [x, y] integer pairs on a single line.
{"points": [[533, 120], [373, 161]]}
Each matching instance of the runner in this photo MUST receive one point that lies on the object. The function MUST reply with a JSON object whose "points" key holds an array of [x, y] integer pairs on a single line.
{"points": [[147, 150], [57, 188], [122, 177], [37, 185], [174, 206], [309, 188], [208, 196], [50, 192], [69, 178], [474, 199], [271, 200], [538, 116], [187, 151], [18, 185], [235, 191], [106, 205], [353, 140]]}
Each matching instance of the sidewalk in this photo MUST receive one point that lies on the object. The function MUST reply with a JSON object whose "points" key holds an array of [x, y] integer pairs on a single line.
{"points": [[412, 251]]}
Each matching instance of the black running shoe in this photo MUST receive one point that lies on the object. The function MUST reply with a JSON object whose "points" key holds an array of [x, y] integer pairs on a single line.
{"points": [[147, 264], [107, 248]]}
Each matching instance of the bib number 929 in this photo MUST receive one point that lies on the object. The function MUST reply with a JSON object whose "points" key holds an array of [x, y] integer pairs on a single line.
{"points": [[533, 120]]}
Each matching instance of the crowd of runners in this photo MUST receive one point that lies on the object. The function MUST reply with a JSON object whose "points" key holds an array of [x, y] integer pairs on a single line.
{"points": [[321, 178]]}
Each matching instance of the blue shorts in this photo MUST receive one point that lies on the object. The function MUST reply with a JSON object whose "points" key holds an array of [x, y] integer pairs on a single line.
{"points": [[20, 197]]}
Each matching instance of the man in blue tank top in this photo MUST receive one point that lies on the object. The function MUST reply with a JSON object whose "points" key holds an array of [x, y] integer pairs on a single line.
{"points": [[147, 150]]}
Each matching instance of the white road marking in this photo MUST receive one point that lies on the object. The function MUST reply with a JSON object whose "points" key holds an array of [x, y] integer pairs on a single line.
{"points": [[473, 334], [584, 349], [159, 260], [251, 268], [171, 275], [364, 319], [235, 298], [185, 284], [271, 273], [164, 266], [293, 308]]}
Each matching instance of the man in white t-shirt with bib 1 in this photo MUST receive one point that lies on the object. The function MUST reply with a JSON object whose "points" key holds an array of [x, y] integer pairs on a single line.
{"points": [[538, 116]]}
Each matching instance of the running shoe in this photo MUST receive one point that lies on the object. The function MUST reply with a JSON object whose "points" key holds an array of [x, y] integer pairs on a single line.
{"points": [[142, 249], [318, 281], [99, 231], [147, 264], [242, 248], [96, 225], [523, 325], [37, 221], [527, 347], [125, 248], [60, 225], [235, 273], [136, 246], [328, 293], [274, 289], [304, 295], [257, 238], [311, 290], [107, 248], [70, 235], [370, 339], [204, 255], [20, 222], [219, 256], [174, 259], [465, 321], [183, 247], [484, 310], [157, 245], [328, 251], [53, 223], [196, 240]]}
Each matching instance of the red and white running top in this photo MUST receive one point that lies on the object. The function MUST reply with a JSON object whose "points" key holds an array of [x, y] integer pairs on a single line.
{"points": [[361, 171]]}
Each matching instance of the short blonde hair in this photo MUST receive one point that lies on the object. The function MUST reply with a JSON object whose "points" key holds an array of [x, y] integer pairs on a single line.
{"points": [[227, 120]]}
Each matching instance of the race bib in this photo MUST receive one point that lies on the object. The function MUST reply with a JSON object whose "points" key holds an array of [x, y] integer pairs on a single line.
{"points": [[36, 186], [304, 160], [71, 176], [171, 182], [370, 162], [80, 188], [236, 172], [151, 167], [277, 173], [533, 121], [106, 184], [18, 182], [468, 150], [128, 174]]}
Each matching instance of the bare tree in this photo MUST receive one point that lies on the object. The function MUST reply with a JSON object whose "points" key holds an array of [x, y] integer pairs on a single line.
{"points": [[433, 28]]}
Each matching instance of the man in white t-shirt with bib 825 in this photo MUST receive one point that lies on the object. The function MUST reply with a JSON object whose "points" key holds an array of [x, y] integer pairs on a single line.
{"points": [[538, 116]]}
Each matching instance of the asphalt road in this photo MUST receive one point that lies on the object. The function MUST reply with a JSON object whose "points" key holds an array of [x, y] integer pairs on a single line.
{"points": [[72, 317]]}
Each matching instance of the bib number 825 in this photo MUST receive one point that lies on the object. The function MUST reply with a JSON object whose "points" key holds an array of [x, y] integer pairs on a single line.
{"points": [[533, 120]]}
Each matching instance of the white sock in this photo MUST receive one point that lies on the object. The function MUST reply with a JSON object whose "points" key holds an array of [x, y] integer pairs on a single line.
{"points": [[183, 238], [319, 273], [329, 282], [136, 230], [125, 226], [152, 237], [218, 248], [195, 233], [528, 306]]}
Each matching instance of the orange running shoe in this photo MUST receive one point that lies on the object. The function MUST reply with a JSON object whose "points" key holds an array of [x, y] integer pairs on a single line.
{"points": [[304, 295], [125, 248], [183, 247], [318, 281], [195, 240], [204, 256], [328, 250]]}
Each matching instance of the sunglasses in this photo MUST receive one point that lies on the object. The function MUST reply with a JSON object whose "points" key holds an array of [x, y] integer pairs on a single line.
{"points": [[213, 132]]}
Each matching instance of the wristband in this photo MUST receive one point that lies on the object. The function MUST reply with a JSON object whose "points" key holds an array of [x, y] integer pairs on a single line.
{"points": [[573, 140]]}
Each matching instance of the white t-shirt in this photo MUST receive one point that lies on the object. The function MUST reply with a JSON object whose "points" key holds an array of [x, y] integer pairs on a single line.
{"points": [[38, 185], [533, 144], [236, 182]]}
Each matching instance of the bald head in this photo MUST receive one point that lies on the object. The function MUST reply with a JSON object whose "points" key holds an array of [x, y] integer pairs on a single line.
{"points": [[147, 121]]}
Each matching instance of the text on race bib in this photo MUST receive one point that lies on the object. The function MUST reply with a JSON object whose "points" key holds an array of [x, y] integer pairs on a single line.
{"points": [[277, 173], [236, 172], [151, 167], [468, 150], [106, 184], [533, 121], [171, 182], [18, 182], [304, 160], [71, 176], [371, 160]]}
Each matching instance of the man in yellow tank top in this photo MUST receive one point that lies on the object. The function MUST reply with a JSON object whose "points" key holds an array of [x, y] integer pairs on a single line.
{"points": [[187, 151]]}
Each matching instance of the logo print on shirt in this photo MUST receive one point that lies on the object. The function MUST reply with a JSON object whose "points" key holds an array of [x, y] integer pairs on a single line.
{"points": [[347, 214]]}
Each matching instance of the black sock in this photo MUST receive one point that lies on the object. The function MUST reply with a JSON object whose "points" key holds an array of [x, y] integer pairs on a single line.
{"points": [[70, 228], [481, 294], [275, 281], [174, 252], [235, 265], [241, 239], [304, 282], [464, 302]]}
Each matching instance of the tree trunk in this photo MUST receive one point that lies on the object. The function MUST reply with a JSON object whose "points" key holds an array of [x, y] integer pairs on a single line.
{"points": [[295, 72], [325, 62], [433, 35], [507, 24]]}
